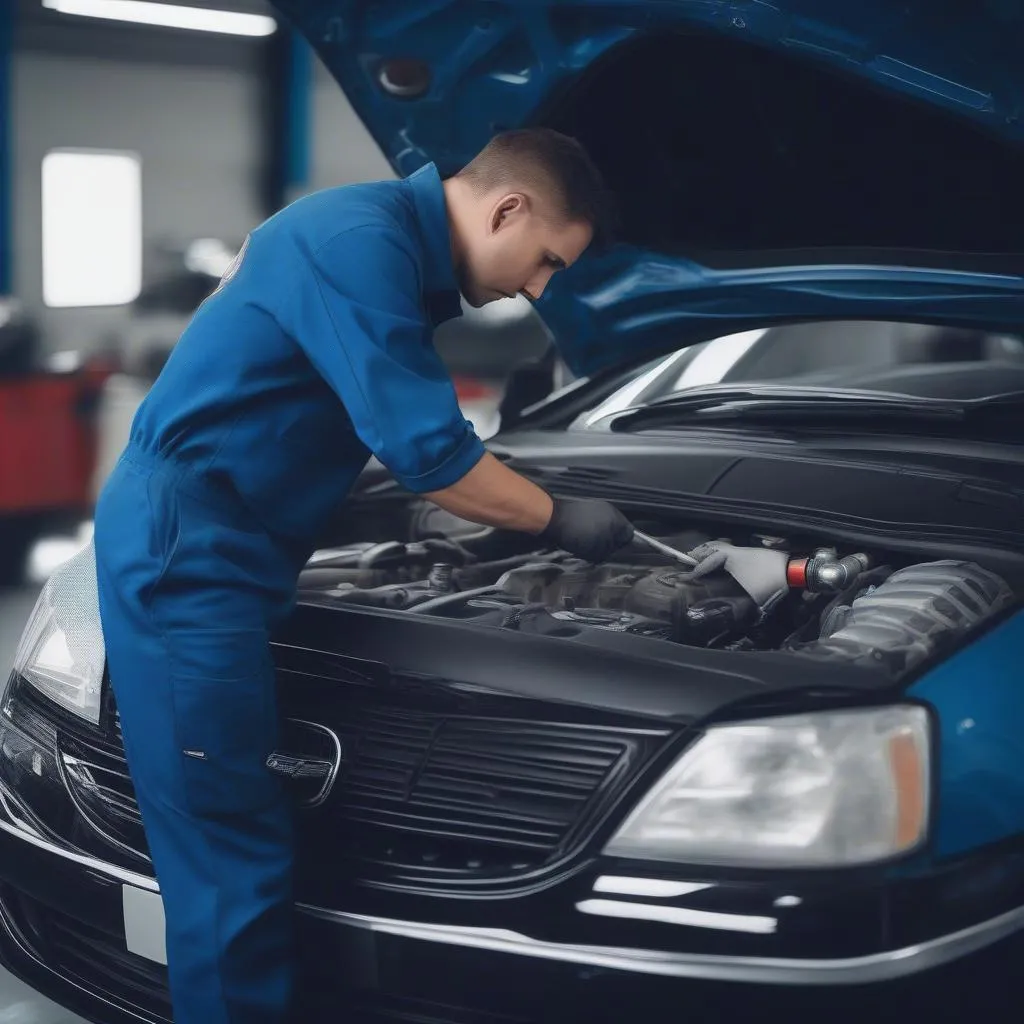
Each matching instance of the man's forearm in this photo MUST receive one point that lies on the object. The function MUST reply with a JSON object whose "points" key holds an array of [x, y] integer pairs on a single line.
{"points": [[494, 495]]}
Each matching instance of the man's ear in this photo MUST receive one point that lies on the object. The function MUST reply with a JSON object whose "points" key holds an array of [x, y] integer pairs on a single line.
{"points": [[507, 210]]}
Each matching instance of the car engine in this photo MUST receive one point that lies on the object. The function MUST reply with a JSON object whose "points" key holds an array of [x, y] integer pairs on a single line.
{"points": [[851, 606]]}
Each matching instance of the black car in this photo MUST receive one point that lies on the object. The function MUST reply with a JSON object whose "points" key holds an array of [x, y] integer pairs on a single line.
{"points": [[529, 789]]}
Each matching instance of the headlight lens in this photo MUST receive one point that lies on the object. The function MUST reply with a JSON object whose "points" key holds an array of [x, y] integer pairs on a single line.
{"points": [[61, 652], [819, 790]]}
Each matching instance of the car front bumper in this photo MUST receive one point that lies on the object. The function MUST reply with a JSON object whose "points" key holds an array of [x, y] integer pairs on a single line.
{"points": [[63, 931]]}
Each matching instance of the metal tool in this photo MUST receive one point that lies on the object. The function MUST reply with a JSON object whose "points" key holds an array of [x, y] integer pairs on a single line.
{"points": [[679, 556]]}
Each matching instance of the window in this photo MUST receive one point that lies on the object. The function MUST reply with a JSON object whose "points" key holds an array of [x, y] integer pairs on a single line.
{"points": [[917, 359], [92, 228]]}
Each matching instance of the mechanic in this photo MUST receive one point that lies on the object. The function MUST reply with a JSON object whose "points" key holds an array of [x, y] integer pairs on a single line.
{"points": [[313, 353]]}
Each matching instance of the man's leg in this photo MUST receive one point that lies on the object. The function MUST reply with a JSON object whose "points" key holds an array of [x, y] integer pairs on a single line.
{"points": [[198, 716], [196, 734]]}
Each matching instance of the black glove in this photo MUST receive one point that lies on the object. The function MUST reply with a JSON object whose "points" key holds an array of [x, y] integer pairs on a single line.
{"points": [[587, 528]]}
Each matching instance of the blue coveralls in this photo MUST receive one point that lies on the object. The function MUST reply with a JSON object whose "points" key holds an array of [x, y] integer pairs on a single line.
{"points": [[314, 352]]}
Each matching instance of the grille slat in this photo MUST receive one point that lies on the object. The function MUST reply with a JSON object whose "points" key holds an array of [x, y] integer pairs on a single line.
{"points": [[499, 823], [442, 827], [118, 802], [459, 764], [530, 804], [99, 780], [117, 783]]}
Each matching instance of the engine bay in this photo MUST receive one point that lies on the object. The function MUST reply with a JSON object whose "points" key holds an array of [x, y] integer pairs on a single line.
{"points": [[855, 606]]}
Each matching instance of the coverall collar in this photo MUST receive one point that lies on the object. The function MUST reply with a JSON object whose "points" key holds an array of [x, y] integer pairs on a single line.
{"points": [[441, 291]]}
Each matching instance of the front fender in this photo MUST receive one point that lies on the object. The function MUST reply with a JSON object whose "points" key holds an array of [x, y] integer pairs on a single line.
{"points": [[978, 696]]}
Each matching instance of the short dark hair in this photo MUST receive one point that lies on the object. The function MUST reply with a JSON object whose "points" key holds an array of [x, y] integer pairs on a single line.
{"points": [[551, 161]]}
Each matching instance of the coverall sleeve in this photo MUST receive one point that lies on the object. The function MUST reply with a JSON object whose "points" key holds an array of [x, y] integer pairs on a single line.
{"points": [[356, 311]]}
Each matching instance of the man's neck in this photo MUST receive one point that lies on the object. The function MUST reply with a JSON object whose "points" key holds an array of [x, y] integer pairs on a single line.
{"points": [[459, 202]]}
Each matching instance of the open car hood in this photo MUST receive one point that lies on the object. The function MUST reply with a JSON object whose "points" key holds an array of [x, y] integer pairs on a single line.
{"points": [[781, 160]]}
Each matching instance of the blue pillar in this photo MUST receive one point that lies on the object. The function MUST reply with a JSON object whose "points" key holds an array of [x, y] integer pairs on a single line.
{"points": [[287, 79], [297, 120], [6, 141]]}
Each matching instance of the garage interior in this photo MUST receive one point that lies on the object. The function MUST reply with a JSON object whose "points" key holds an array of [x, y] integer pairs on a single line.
{"points": [[136, 156], [201, 142]]}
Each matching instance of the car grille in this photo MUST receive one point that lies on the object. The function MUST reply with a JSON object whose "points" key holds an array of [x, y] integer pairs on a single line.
{"points": [[464, 798], [87, 956], [450, 796], [520, 785], [95, 772]]}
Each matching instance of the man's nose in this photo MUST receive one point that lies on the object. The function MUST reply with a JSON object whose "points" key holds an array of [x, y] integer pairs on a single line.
{"points": [[535, 286]]}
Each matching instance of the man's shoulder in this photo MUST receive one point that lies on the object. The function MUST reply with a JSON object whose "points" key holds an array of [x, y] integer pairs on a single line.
{"points": [[317, 219]]}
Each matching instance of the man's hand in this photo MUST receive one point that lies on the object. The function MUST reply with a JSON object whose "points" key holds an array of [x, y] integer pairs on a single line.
{"points": [[759, 571], [494, 495], [587, 528]]}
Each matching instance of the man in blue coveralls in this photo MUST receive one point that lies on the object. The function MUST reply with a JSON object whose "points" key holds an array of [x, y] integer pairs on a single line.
{"points": [[314, 353]]}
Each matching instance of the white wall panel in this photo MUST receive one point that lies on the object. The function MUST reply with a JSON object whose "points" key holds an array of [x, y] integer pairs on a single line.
{"points": [[196, 129]]}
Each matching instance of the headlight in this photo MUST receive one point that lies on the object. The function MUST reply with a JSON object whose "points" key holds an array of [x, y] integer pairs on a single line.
{"points": [[819, 790], [61, 651]]}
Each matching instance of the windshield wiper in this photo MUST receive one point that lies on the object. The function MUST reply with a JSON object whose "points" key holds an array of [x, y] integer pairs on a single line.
{"points": [[777, 402]]}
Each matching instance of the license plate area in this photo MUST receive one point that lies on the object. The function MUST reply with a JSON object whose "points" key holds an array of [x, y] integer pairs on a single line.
{"points": [[144, 923]]}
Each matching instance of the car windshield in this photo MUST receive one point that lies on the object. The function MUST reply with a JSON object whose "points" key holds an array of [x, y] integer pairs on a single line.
{"points": [[855, 356]]}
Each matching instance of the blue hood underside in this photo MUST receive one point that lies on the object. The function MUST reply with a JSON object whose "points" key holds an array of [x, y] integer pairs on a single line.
{"points": [[800, 159]]}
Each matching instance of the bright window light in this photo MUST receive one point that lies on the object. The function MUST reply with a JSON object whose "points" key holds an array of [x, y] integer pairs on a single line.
{"points": [[201, 19], [92, 228]]}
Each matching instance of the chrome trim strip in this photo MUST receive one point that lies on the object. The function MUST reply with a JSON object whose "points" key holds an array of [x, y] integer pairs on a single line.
{"points": [[877, 967], [657, 888], [895, 963], [16, 819], [92, 863], [687, 917], [86, 816], [325, 790]]}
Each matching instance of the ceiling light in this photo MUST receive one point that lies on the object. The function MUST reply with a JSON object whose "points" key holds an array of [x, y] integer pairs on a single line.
{"points": [[142, 12]]}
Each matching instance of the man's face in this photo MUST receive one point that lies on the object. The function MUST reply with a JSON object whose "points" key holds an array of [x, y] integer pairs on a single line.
{"points": [[518, 249]]}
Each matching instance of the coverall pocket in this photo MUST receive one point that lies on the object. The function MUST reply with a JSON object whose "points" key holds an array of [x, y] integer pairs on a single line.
{"points": [[225, 719]]}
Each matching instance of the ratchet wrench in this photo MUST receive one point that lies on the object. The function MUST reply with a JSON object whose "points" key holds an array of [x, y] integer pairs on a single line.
{"points": [[679, 556]]}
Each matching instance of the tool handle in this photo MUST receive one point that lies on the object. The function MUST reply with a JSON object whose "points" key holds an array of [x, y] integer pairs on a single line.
{"points": [[679, 556]]}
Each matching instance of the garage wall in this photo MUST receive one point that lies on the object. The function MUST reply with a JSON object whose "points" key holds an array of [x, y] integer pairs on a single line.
{"points": [[342, 150], [196, 129], [193, 106]]}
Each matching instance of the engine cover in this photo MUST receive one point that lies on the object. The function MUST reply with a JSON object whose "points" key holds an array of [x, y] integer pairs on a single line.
{"points": [[663, 593], [667, 594]]}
